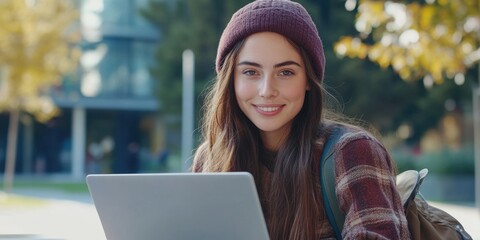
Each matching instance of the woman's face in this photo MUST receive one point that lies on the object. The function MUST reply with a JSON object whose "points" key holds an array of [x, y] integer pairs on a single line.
{"points": [[270, 83]]}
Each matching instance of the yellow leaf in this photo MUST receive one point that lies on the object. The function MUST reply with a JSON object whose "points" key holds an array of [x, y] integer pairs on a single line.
{"points": [[384, 59], [426, 15], [405, 73], [442, 2], [375, 52], [398, 63]]}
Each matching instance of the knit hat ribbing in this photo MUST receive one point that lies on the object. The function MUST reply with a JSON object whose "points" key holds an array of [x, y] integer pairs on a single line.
{"points": [[285, 17]]}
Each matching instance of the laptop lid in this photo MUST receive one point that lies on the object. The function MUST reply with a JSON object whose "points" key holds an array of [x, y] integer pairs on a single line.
{"points": [[178, 206]]}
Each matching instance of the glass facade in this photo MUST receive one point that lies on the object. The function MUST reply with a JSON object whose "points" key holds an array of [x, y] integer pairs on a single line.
{"points": [[125, 13], [123, 71]]}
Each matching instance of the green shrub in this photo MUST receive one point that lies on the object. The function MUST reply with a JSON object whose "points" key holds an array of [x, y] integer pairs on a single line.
{"points": [[445, 162]]}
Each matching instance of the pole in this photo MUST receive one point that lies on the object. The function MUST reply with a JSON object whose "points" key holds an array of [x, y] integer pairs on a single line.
{"points": [[188, 65], [476, 140], [78, 142]]}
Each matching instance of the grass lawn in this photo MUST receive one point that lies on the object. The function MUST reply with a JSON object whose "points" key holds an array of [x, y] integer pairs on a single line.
{"points": [[14, 200], [72, 187], [11, 200]]}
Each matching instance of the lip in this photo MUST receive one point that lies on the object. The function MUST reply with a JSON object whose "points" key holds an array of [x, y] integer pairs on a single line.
{"points": [[268, 110]]}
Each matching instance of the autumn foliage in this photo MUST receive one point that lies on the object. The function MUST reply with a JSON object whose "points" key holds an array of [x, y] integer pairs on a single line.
{"points": [[438, 39], [36, 51]]}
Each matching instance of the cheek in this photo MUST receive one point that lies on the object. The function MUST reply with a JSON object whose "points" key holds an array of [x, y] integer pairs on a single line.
{"points": [[243, 90], [297, 93], [300, 101]]}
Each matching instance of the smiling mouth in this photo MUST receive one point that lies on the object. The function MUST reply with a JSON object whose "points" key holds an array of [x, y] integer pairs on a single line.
{"points": [[268, 109]]}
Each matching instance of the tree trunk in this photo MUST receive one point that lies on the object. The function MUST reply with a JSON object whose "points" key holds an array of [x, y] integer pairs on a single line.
{"points": [[11, 150]]}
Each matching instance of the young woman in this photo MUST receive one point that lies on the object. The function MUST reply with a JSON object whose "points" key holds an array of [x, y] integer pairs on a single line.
{"points": [[264, 114]]}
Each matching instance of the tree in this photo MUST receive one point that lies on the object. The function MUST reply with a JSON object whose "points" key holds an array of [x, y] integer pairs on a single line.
{"points": [[36, 51], [186, 24], [433, 41]]}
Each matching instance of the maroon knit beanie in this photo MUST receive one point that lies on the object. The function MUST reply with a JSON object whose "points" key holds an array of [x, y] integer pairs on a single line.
{"points": [[285, 17]]}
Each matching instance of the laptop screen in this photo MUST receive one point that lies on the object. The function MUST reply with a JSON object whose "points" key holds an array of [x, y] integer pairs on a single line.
{"points": [[178, 206]]}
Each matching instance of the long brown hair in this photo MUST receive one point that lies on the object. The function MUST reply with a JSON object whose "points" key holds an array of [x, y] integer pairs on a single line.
{"points": [[232, 143]]}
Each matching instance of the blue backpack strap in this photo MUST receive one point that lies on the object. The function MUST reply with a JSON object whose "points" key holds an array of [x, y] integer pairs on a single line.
{"points": [[327, 181]]}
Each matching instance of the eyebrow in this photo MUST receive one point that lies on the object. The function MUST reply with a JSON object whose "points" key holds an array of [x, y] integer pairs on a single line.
{"points": [[282, 64], [249, 63], [286, 63]]}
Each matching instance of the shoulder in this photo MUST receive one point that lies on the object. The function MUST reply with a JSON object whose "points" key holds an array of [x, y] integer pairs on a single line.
{"points": [[354, 136], [199, 158], [359, 148]]}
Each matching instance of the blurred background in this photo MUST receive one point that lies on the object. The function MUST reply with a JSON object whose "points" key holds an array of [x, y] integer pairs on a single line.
{"points": [[95, 86]]}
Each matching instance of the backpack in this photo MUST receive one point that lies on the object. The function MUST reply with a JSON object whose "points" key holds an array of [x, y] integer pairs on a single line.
{"points": [[424, 220]]}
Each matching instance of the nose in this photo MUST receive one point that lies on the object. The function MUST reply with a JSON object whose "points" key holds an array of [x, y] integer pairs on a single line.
{"points": [[267, 88]]}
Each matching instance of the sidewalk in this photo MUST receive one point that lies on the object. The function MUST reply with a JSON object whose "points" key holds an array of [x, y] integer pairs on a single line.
{"points": [[58, 215], [64, 216]]}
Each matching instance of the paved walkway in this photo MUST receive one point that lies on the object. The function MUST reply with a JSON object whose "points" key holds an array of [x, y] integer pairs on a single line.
{"points": [[59, 216], [65, 216]]}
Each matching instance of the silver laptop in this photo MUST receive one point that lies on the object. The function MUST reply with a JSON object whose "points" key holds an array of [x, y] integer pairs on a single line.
{"points": [[177, 206]]}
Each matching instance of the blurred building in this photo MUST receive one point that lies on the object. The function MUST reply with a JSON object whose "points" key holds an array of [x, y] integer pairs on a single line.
{"points": [[109, 110]]}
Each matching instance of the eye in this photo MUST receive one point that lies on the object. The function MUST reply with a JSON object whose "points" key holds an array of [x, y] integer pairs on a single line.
{"points": [[286, 73], [250, 72]]}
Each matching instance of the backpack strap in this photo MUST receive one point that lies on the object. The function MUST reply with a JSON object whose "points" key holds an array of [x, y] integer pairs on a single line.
{"points": [[327, 181]]}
